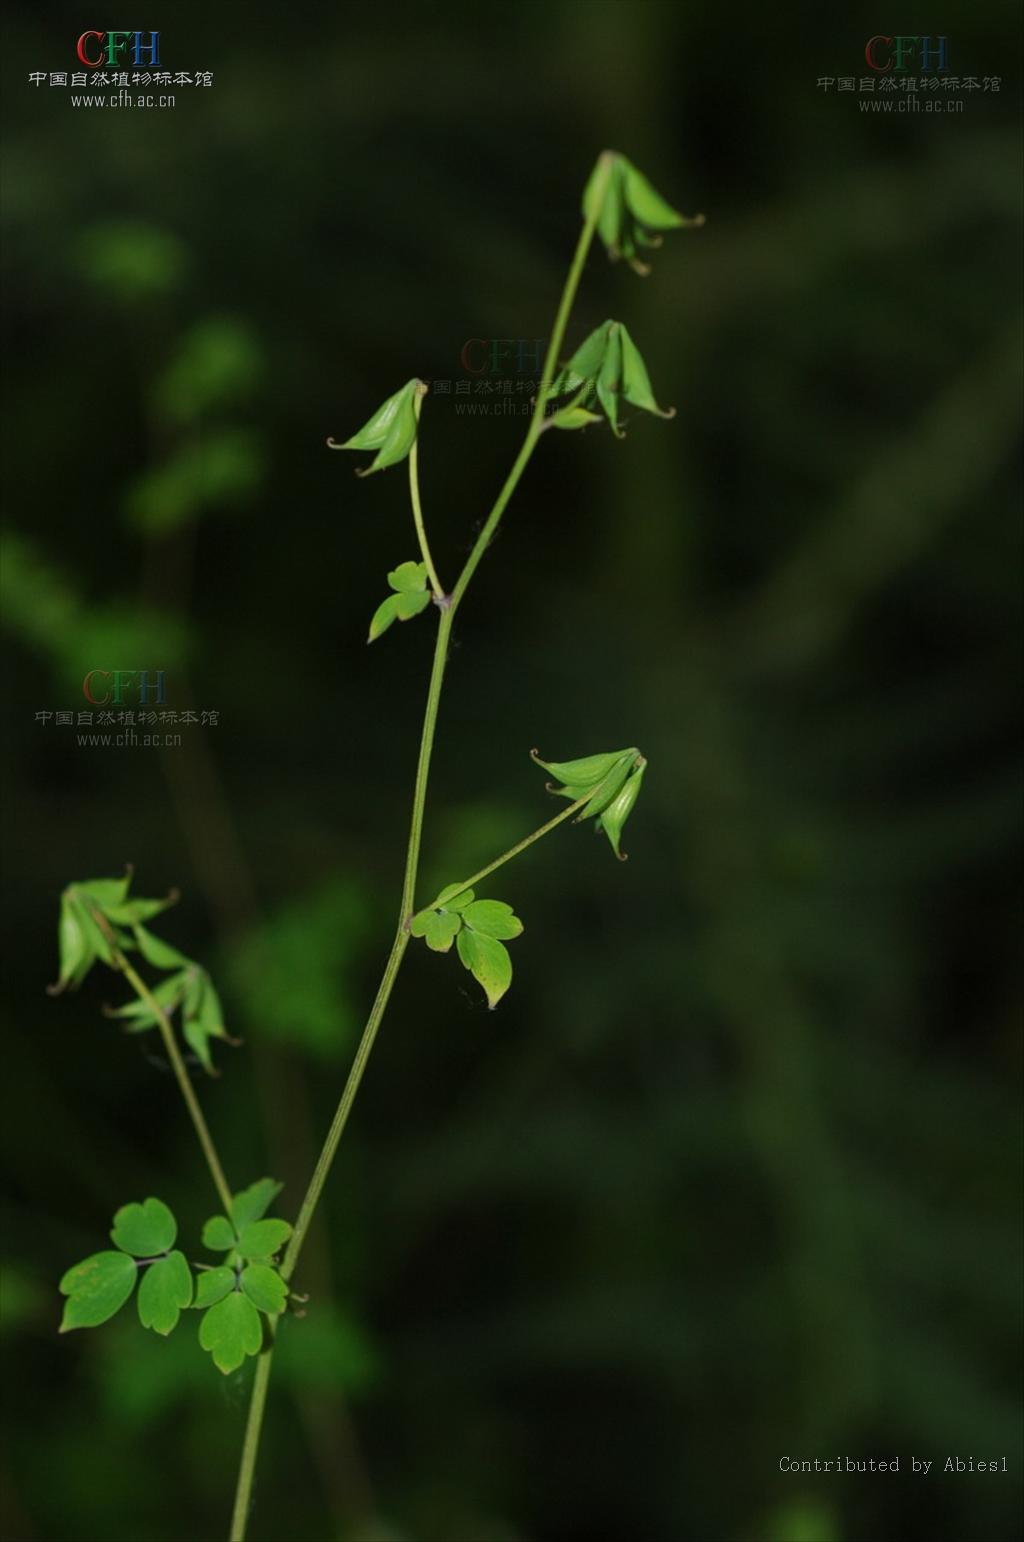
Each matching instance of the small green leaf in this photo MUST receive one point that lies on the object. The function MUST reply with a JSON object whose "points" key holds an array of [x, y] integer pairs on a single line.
{"points": [[144, 1230], [410, 604], [455, 897], [230, 1331], [250, 1204], [493, 918], [265, 1288], [439, 929], [386, 612], [166, 1288], [212, 1285], [219, 1234], [262, 1239], [408, 576], [96, 1288], [391, 431], [157, 952], [488, 962]]}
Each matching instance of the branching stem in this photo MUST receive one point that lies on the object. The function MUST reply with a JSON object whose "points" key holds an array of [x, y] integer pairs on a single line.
{"points": [[447, 615]]}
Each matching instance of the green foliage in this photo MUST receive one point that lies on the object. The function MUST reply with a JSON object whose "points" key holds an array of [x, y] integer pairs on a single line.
{"points": [[165, 1290], [144, 1230], [233, 1294], [231, 1330], [99, 1286], [391, 431], [630, 213], [479, 928], [606, 369], [96, 1288], [412, 595]]}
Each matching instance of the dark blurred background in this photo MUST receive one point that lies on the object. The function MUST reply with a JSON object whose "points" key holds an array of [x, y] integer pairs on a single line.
{"points": [[732, 1173]]}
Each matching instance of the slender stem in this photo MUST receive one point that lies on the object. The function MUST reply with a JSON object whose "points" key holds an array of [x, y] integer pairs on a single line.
{"points": [[184, 1081], [251, 1442], [355, 1076], [514, 851], [548, 379], [398, 947], [417, 507], [419, 796]]}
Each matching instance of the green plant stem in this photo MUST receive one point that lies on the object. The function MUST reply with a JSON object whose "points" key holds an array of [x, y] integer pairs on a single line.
{"points": [[398, 947], [536, 427], [341, 1114], [251, 1442], [417, 507], [184, 1081]]}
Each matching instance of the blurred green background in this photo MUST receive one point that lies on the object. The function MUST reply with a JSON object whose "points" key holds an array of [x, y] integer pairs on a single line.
{"points": [[732, 1174]]}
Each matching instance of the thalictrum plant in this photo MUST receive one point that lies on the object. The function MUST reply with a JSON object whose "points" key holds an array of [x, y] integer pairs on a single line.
{"points": [[241, 1285]]}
